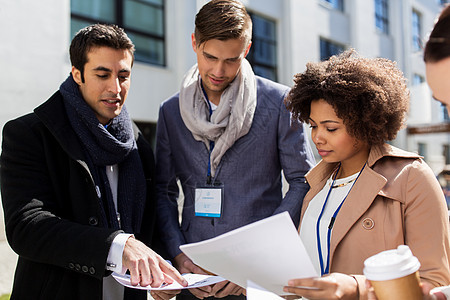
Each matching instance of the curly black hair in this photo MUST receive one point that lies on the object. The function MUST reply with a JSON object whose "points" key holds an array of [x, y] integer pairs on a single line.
{"points": [[369, 94]]}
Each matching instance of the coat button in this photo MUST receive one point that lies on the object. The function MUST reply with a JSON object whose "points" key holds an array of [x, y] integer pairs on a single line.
{"points": [[99, 194], [77, 267], [368, 223], [84, 269], [93, 221], [92, 270]]}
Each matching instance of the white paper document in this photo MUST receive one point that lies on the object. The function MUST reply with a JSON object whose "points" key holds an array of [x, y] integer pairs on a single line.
{"points": [[255, 292], [194, 281], [268, 252]]}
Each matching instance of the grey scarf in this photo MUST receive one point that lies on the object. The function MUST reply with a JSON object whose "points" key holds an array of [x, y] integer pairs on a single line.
{"points": [[230, 121]]}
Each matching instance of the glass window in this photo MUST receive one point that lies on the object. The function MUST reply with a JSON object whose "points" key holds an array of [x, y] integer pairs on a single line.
{"points": [[148, 49], [140, 16], [381, 16], [263, 53], [416, 28], [422, 148], [336, 4], [101, 10], [445, 116], [328, 49], [447, 154], [417, 79], [143, 20]]}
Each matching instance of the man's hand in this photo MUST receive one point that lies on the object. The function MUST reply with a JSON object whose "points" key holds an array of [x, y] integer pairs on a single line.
{"points": [[147, 267], [185, 265], [226, 288], [164, 295]]}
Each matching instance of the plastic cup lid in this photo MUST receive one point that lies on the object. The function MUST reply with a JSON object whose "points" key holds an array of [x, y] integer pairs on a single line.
{"points": [[391, 264]]}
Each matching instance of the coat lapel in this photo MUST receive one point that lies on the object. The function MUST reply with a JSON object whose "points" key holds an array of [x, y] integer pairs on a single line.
{"points": [[316, 178], [53, 115], [358, 201]]}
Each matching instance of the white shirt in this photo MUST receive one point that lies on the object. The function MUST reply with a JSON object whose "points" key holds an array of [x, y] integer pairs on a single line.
{"points": [[308, 232], [112, 290]]}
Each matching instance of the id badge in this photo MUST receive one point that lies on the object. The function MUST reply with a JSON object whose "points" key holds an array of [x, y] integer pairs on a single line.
{"points": [[208, 201]]}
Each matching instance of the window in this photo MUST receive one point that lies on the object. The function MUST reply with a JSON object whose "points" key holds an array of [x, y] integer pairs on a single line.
{"points": [[143, 20], [417, 79], [416, 28], [336, 4], [381, 16], [328, 49], [263, 53], [422, 150], [447, 154], [444, 114]]}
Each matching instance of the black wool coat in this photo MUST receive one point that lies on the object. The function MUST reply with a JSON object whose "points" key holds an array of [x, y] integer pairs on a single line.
{"points": [[52, 211]]}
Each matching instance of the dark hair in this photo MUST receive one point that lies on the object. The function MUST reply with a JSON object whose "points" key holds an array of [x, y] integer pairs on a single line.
{"points": [[222, 20], [97, 35], [369, 95], [438, 45]]}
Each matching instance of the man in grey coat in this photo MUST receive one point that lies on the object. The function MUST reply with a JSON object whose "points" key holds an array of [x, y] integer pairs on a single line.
{"points": [[226, 136]]}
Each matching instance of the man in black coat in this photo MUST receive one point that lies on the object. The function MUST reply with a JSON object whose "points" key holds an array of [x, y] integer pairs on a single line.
{"points": [[77, 183]]}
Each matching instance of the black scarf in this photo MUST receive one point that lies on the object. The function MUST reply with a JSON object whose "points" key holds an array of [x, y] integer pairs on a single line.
{"points": [[105, 147]]}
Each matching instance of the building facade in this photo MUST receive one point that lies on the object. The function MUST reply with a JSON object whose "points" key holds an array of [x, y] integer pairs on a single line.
{"points": [[287, 35]]}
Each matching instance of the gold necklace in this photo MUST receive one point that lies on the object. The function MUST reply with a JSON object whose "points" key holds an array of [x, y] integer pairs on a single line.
{"points": [[342, 184]]}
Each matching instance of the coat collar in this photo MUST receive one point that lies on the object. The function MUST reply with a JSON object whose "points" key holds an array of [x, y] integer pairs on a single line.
{"points": [[378, 152], [318, 175], [53, 115]]}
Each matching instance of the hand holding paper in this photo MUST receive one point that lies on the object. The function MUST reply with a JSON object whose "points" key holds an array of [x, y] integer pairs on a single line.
{"points": [[146, 266], [193, 280], [185, 265], [268, 252]]}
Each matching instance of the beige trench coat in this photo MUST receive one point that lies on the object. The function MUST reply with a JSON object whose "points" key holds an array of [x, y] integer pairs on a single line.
{"points": [[396, 200]]}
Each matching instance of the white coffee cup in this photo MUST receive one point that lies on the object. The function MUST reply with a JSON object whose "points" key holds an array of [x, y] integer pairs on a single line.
{"points": [[394, 274]]}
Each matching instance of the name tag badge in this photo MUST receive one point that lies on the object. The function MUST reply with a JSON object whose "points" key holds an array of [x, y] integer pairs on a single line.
{"points": [[208, 201]]}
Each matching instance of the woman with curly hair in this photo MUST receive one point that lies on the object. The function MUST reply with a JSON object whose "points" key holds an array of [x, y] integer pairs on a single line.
{"points": [[366, 196]]}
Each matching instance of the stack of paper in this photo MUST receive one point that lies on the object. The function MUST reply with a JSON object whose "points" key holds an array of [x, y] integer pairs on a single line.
{"points": [[268, 252]]}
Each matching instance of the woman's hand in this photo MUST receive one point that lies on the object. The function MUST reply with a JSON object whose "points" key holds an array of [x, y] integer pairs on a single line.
{"points": [[332, 286]]}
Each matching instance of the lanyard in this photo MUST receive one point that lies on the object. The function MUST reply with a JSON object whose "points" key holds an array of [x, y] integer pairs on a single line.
{"points": [[211, 143], [209, 177], [330, 227]]}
